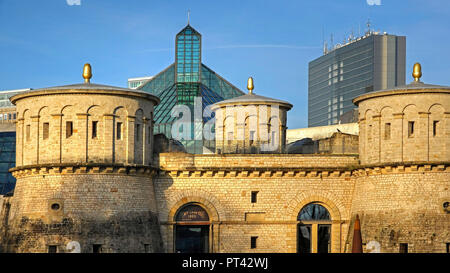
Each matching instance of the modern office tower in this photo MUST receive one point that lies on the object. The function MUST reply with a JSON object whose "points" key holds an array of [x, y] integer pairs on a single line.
{"points": [[134, 83], [373, 62], [181, 83], [8, 117]]}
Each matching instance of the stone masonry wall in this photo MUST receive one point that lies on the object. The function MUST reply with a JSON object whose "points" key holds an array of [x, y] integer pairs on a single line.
{"points": [[404, 207], [226, 195], [117, 211]]}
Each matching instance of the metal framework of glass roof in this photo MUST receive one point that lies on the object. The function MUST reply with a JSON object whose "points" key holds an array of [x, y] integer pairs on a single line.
{"points": [[182, 82]]}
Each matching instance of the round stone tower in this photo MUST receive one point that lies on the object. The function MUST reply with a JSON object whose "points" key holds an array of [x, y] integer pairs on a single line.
{"points": [[251, 124], [402, 189], [84, 170]]}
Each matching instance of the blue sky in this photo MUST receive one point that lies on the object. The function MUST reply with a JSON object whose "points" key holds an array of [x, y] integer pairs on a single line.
{"points": [[46, 42]]}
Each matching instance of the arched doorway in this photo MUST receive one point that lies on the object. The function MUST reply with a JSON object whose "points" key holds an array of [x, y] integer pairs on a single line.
{"points": [[192, 229], [314, 229]]}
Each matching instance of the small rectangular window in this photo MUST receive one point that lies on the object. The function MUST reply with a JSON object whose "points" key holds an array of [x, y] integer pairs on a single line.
{"points": [[14, 116], [52, 249], [97, 249], [254, 196], [119, 130], [387, 131], [138, 132], [447, 245], [403, 248], [94, 129], [435, 125], [69, 129], [45, 130], [411, 129], [253, 240], [28, 128]]}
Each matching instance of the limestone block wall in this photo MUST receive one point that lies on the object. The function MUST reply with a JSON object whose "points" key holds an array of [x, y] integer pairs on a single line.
{"points": [[111, 207], [404, 206], [404, 125], [73, 126], [223, 185]]}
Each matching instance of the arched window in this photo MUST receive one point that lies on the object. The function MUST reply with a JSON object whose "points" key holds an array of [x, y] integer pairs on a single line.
{"points": [[192, 229], [314, 229], [313, 212]]}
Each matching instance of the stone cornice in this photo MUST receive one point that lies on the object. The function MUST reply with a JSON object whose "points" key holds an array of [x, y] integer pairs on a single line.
{"points": [[82, 168], [312, 172]]}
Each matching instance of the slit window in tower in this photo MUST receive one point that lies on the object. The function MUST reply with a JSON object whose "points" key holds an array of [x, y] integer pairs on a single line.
{"points": [[45, 130], [435, 125], [94, 129], [254, 196], [411, 129], [119, 131], [387, 131], [28, 128], [69, 129], [138, 132], [253, 241]]}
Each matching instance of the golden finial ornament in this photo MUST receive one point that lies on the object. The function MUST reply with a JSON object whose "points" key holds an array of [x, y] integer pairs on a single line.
{"points": [[417, 72], [250, 85], [87, 73]]}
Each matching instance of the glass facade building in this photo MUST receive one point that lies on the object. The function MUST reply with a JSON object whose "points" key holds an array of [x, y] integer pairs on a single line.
{"points": [[183, 81], [370, 63], [7, 161]]}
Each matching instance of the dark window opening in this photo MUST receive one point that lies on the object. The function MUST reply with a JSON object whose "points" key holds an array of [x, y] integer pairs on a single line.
{"points": [[410, 128], [192, 230], [323, 239], [147, 248], [447, 247], [69, 129], [403, 248], [119, 130], [55, 206], [94, 129], [97, 248], [253, 240], [435, 125], [138, 132], [304, 239], [45, 130], [254, 196], [52, 249]]}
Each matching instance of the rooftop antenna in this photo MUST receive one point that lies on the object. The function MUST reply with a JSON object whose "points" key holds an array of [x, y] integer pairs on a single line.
{"points": [[368, 25], [189, 12], [331, 41], [324, 44]]}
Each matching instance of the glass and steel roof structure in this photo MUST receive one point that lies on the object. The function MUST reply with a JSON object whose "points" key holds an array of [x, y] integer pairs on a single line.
{"points": [[182, 82]]}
